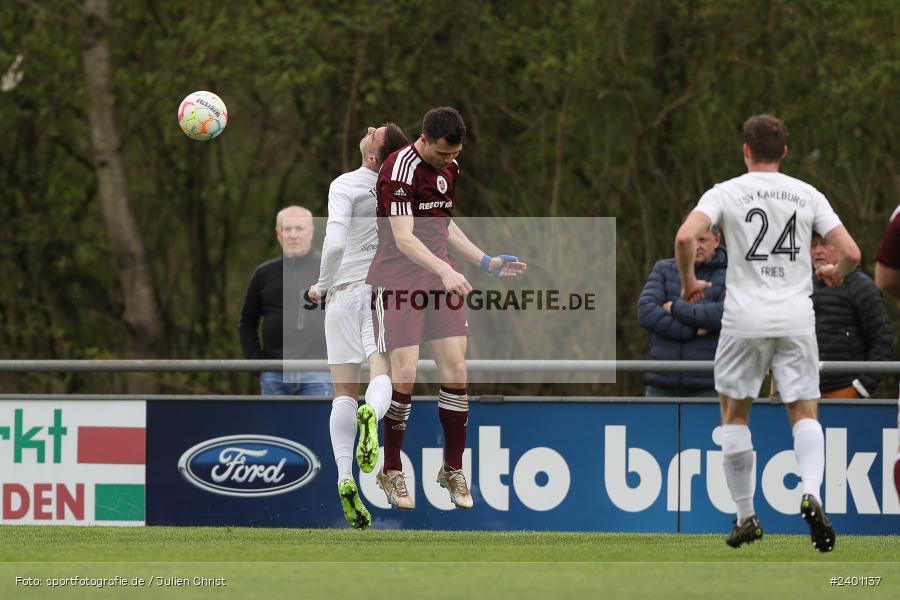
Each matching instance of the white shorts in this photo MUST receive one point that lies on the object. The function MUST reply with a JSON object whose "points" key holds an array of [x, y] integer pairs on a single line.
{"points": [[741, 365], [348, 324]]}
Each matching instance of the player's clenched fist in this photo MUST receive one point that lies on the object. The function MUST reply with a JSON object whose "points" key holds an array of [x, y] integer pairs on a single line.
{"points": [[830, 274], [693, 292]]}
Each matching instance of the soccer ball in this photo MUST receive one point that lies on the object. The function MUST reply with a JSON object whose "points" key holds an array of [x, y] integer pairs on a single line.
{"points": [[202, 116]]}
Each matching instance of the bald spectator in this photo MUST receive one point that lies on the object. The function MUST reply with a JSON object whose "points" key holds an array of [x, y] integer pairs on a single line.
{"points": [[291, 327]]}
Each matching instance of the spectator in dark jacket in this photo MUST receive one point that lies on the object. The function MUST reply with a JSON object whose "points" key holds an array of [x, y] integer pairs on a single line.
{"points": [[682, 331], [851, 324], [291, 327]]}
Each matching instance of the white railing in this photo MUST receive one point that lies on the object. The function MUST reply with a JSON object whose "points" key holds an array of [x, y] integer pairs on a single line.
{"points": [[425, 366]]}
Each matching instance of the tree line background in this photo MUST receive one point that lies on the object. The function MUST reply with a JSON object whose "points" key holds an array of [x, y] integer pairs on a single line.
{"points": [[123, 238]]}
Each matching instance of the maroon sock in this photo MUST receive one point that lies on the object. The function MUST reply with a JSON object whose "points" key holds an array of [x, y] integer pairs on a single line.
{"points": [[453, 406], [394, 428], [897, 476]]}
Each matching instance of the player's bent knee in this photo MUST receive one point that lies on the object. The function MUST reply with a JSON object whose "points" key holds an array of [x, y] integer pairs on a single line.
{"points": [[403, 376], [454, 373], [735, 411], [802, 409], [345, 389]]}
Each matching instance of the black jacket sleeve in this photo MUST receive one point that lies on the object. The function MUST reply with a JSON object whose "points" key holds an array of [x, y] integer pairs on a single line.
{"points": [[877, 331], [248, 322]]}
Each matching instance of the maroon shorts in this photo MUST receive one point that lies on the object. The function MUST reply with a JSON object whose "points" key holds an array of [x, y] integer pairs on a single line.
{"points": [[403, 318]]}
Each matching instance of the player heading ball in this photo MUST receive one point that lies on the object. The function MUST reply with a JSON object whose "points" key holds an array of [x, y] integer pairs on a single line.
{"points": [[416, 194]]}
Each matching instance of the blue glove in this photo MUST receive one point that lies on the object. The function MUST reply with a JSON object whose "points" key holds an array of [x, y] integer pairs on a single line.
{"points": [[495, 272]]}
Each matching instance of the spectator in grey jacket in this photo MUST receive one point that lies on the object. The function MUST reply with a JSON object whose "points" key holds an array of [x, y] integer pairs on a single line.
{"points": [[682, 331], [851, 324]]}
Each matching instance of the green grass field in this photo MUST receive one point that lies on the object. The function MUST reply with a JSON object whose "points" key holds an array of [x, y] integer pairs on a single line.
{"points": [[339, 564]]}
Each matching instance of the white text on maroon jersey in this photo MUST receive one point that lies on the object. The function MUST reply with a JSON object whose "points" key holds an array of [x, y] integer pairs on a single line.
{"points": [[438, 204]]}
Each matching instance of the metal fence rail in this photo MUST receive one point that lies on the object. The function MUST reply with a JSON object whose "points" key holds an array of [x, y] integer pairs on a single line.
{"points": [[492, 399], [425, 366]]}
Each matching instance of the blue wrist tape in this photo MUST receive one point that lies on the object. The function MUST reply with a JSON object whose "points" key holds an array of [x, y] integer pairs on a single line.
{"points": [[495, 272]]}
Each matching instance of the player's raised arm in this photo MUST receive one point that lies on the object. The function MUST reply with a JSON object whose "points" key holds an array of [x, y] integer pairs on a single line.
{"points": [[503, 265], [416, 251], [685, 252], [848, 257]]}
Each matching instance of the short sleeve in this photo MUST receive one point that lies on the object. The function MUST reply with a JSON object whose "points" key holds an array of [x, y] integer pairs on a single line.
{"points": [[888, 252], [710, 204], [825, 219], [395, 183], [340, 204], [398, 197]]}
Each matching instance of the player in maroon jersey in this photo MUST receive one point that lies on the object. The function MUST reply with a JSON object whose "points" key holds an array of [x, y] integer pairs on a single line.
{"points": [[887, 277], [418, 294]]}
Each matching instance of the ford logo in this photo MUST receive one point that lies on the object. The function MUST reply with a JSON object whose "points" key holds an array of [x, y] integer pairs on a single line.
{"points": [[249, 465]]}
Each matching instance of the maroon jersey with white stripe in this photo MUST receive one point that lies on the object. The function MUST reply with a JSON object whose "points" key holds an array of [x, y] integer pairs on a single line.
{"points": [[407, 185], [888, 252]]}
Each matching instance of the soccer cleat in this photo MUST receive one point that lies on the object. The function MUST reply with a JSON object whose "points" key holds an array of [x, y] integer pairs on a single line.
{"points": [[367, 446], [746, 533], [394, 486], [354, 510], [820, 529], [455, 482]]}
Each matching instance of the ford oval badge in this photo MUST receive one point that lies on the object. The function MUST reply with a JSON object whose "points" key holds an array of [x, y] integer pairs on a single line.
{"points": [[249, 465]]}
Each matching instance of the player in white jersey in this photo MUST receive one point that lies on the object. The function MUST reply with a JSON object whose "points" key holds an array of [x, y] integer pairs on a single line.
{"points": [[768, 219], [350, 243]]}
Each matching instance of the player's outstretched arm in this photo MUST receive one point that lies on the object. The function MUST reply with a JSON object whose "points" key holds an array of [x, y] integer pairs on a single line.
{"points": [[503, 265], [332, 254], [416, 251], [848, 257], [462, 245], [685, 250]]}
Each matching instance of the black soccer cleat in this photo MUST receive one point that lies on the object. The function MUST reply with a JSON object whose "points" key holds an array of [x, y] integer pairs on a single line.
{"points": [[746, 533], [820, 529]]}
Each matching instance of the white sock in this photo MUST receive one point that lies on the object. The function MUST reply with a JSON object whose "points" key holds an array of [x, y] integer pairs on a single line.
{"points": [[343, 433], [738, 460], [809, 446], [378, 395]]}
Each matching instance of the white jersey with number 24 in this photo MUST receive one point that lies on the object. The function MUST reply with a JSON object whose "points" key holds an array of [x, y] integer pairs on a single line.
{"points": [[767, 219]]}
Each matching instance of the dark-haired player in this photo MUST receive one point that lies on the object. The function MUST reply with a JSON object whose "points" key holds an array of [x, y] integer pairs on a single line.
{"points": [[419, 294]]}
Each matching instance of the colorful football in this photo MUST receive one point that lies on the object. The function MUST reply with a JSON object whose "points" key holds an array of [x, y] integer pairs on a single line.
{"points": [[202, 116]]}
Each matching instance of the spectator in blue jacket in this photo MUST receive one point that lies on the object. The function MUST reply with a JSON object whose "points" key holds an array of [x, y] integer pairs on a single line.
{"points": [[682, 331]]}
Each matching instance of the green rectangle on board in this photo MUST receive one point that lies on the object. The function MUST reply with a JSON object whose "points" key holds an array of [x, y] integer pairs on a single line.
{"points": [[119, 502]]}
